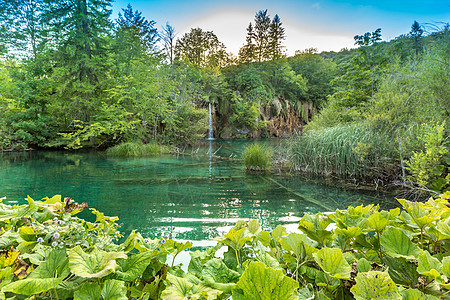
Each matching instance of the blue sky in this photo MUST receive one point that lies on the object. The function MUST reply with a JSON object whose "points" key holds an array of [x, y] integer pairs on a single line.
{"points": [[326, 25]]}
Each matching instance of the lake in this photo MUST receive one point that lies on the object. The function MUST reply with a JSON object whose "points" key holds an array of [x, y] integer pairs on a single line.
{"points": [[186, 197]]}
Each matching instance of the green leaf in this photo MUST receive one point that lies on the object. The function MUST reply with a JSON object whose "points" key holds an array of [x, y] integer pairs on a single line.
{"points": [[269, 261], [401, 271], [293, 242], [29, 286], [236, 239], [217, 275], [363, 265], [315, 227], [278, 232], [397, 244], [254, 227], [181, 289], [174, 247], [332, 262], [428, 265], [114, 290], [446, 266], [134, 266], [88, 291], [375, 285], [55, 265], [97, 264], [260, 282], [377, 221], [414, 294], [46, 276], [349, 232]]}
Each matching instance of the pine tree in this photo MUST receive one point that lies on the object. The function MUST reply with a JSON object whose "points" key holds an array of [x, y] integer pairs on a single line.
{"points": [[247, 52], [276, 37], [80, 31], [262, 26], [416, 32]]}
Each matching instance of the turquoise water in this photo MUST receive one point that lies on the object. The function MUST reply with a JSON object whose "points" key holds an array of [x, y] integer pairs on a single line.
{"points": [[187, 197]]}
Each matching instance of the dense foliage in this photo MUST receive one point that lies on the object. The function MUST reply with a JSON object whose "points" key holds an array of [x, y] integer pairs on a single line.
{"points": [[358, 253], [388, 118], [72, 77]]}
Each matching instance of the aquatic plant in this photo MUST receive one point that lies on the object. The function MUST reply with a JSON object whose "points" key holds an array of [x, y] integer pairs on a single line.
{"points": [[136, 149], [346, 149], [366, 254], [257, 158]]}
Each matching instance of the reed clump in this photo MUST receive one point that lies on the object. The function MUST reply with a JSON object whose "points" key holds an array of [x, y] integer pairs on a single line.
{"points": [[257, 158], [353, 150], [136, 149]]}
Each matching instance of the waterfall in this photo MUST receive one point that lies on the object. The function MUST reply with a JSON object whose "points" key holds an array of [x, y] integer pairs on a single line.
{"points": [[210, 132]]}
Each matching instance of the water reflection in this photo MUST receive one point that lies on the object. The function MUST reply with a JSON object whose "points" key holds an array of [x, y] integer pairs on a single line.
{"points": [[187, 197]]}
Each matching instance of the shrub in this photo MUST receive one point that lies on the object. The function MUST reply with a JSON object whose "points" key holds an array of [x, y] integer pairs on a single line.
{"points": [[257, 158]]}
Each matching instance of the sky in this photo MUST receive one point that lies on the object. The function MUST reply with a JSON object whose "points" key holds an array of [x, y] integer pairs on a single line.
{"points": [[325, 25]]}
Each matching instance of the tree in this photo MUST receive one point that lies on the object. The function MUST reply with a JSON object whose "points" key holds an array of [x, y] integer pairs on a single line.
{"points": [[416, 33], [247, 52], [262, 26], [21, 27], [168, 36], [201, 48], [79, 30], [263, 41], [276, 37], [137, 27], [135, 39]]}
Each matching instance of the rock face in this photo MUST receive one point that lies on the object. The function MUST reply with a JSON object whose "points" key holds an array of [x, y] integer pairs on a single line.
{"points": [[281, 119]]}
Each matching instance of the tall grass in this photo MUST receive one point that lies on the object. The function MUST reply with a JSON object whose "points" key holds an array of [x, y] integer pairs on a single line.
{"points": [[135, 149], [346, 150], [257, 158]]}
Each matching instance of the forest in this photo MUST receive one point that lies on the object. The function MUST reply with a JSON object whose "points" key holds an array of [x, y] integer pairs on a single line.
{"points": [[72, 77]]}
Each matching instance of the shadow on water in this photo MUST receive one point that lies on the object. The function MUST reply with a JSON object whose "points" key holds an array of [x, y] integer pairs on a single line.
{"points": [[188, 197]]}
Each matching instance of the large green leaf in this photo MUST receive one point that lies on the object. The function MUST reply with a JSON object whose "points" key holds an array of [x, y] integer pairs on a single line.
{"points": [[94, 265], [375, 285], [46, 276], [332, 262], [236, 239], [293, 242], [315, 227], [32, 286], [269, 261], [397, 244], [260, 282], [428, 265], [114, 290], [414, 294], [174, 247], [55, 265], [378, 221], [88, 291], [181, 289], [134, 266], [401, 271], [446, 266], [217, 275], [278, 232]]}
